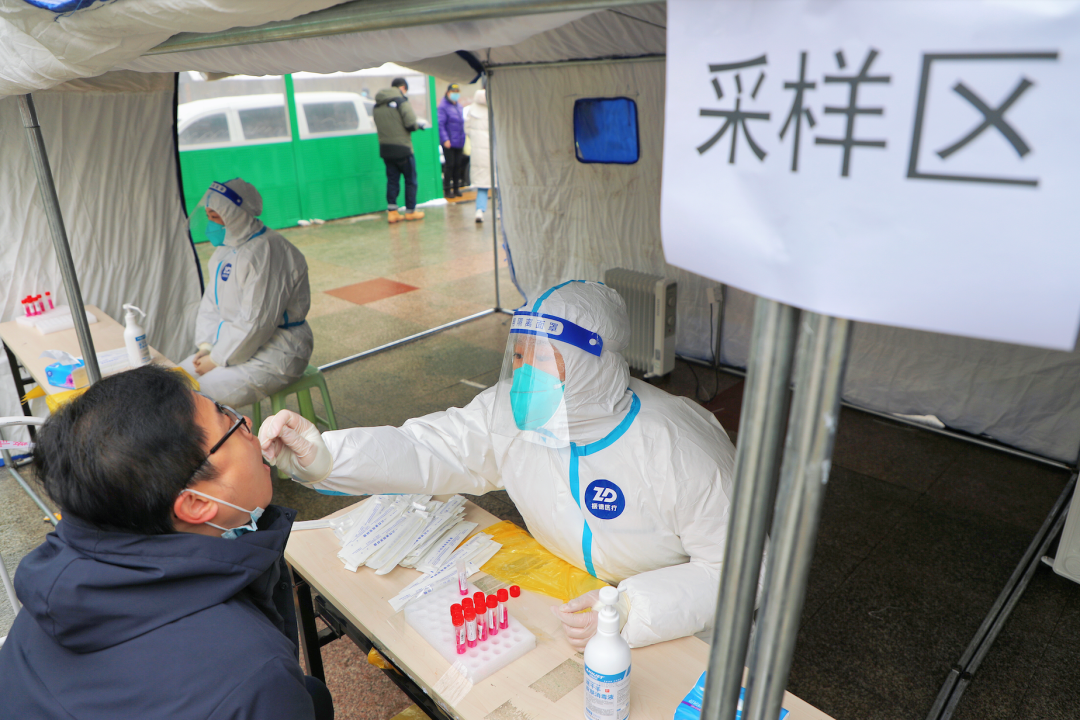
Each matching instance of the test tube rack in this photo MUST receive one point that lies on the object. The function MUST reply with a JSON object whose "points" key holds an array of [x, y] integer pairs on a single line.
{"points": [[430, 617]]}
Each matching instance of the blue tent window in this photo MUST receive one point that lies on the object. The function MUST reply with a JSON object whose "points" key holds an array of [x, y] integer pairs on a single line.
{"points": [[606, 130]]}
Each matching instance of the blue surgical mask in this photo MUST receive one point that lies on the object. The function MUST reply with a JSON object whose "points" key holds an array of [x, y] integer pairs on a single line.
{"points": [[215, 233], [233, 533], [454, 96], [535, 395]]}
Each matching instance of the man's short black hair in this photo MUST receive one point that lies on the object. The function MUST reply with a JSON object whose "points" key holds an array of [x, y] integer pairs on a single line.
{"points": [[119, 454], [399, 82]]}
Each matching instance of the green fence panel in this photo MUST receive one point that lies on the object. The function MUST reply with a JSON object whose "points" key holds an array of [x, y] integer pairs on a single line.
{"points": [[339, 177], [268, 167]]}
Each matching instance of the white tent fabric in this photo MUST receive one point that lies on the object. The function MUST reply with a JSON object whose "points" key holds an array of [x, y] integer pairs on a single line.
{"points": [[110, 144], [563, 219], [40, 48]]}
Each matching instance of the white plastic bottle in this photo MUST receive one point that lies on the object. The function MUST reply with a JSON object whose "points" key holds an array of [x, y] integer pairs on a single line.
{"points": [[135, 338], [607, 665]]}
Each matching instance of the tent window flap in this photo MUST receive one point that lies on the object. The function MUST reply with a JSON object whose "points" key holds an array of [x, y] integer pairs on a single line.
{"points": [[606, 130]]}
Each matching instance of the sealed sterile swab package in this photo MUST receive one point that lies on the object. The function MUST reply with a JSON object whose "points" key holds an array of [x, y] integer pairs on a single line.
{"points": [[430, 617]]}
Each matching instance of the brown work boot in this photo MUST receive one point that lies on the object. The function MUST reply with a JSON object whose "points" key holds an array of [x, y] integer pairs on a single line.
{"points": [[415, 215], [393, 216]]}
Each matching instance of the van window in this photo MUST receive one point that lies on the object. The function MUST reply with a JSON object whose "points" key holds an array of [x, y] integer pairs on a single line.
{"points": [[264, 123], [210, 129], [326, 117]]}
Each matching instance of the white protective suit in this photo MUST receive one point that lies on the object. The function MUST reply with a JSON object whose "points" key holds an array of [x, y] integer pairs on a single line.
{"points": [[252, 314], [666, 456]]}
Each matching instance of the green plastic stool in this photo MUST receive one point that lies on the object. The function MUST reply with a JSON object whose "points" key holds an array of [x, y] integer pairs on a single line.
{"points": [[302, 388]]}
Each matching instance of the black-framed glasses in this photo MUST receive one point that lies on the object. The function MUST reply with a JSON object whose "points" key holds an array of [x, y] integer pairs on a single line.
{"points": [[240, 420]]}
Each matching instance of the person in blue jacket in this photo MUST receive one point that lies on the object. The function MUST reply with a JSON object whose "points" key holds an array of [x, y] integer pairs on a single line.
{"points": [[163, 593], [452, 137]]}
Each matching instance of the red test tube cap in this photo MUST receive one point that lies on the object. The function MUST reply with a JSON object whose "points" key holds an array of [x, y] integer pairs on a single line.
{"points": [[492, 602], [503, 595], [467, 604], [469, 614], [515, 591], [479, 599]]}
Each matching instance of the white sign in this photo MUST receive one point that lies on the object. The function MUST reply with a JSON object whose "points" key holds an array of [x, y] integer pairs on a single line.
{"points": [[905, 162]]}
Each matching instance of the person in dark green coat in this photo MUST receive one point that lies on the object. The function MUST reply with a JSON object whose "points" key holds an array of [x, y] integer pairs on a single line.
{"points": [[395, 121]]}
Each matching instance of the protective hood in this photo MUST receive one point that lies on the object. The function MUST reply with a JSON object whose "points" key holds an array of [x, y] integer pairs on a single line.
{"points": [[592, 397], [92, 589], [241, 221], [480, 98]]}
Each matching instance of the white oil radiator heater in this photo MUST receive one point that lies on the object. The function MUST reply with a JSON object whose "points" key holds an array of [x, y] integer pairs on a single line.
{"points": [[650, 303]]}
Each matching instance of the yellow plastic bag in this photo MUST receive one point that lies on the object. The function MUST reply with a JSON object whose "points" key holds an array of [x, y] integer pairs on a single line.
{"points": [[525, 562], [58, 400]]}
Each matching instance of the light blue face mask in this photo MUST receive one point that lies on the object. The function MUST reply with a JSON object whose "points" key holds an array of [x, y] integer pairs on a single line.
{"points": [[455, 96], [234, 532], [215, 233], [534, 397]]}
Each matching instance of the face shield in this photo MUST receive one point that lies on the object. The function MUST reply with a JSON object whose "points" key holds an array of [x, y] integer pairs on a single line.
{"points": [[217, 200], [530, 399]]}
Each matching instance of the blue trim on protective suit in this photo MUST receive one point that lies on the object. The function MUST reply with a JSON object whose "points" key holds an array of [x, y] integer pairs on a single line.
{"points": [[286, 325], [542, 298], [331, 492], [577, 451]]}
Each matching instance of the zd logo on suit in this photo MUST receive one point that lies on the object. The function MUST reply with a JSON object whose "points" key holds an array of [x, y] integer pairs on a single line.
{"points": [[605, 499], [226, 270]]}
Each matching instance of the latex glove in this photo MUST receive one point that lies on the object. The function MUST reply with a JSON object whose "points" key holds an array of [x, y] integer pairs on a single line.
{"points": [[422, 124], [204, 364], [581, 626], [294, 445], [205, 348]]}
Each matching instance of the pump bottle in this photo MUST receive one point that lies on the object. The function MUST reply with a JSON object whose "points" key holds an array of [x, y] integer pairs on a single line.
{"points": [[607, 665], [135, 338]]}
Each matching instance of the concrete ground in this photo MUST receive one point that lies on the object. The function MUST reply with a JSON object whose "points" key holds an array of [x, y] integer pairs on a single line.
{"points": [[918, 532]]}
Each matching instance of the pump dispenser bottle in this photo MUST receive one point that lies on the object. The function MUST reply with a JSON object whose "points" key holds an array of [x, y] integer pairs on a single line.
{"points": [[138, 351], [607, 665]]}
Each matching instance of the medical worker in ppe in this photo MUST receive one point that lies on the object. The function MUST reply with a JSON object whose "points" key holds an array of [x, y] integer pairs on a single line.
{"points": [[251, 331], [611, 474]]}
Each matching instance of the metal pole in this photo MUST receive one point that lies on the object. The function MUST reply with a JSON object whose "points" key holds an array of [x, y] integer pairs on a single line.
{"points": [[492, 190], [5, 579], [59, 234], [404, 340], [765, 402], [820, 362]]}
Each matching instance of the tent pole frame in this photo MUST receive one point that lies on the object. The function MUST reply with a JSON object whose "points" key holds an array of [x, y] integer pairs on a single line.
{"points": [[493, 188], [757, 463], [61, 246]]}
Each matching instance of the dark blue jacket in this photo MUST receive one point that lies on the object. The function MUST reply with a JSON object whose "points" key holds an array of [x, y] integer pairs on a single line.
{"points": [[116, 625], [451, 123]]}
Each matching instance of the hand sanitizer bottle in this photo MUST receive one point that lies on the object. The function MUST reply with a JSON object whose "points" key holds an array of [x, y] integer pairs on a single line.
{"points": [[135, 338], [607, 665]]}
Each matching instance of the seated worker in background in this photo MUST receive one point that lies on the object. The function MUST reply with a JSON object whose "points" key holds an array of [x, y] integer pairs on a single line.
{"points": [[611, 474], [155, 597], [251, 331]]}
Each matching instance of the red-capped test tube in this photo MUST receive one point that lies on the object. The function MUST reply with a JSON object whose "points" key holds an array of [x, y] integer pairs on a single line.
{"points": [[40, 304], [492, 622], [515, 591], [504, 619], [48, 299], [462, 578], [480, 604], [470, 627], [466, 604], [25, 308], [457, 617]]}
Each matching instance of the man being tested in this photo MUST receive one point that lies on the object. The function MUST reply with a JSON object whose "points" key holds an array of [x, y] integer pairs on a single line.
{"points": [[251, 331], [163, 592], [610, 473]]}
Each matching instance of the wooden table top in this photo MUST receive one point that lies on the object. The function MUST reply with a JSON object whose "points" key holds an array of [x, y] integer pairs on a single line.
{"points": [[27, 344], [545, 683]]}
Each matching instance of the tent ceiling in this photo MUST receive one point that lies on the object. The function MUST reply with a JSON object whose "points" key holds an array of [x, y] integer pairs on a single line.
{"points": [[369, 15], [40, 49]]}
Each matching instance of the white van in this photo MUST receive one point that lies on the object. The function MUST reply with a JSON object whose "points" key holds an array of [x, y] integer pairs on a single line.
{"points": [[256, 119]]}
